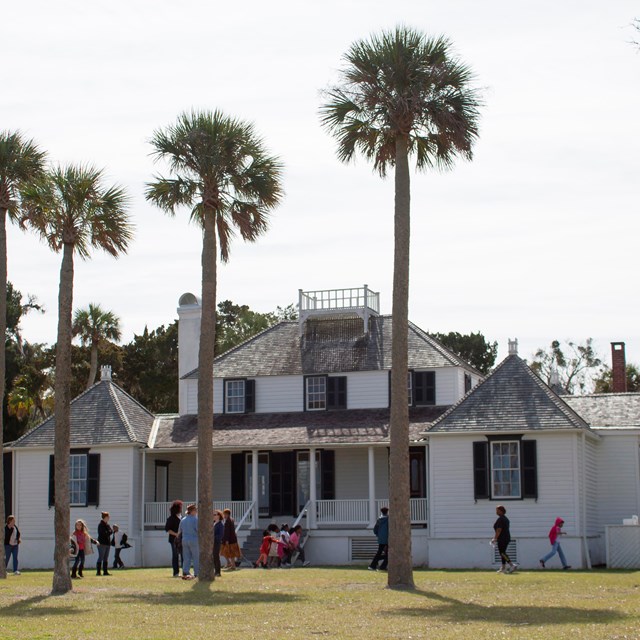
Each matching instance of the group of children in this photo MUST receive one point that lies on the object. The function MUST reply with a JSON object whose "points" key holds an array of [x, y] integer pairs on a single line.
{"points": [[281, 548], [81, 545]]}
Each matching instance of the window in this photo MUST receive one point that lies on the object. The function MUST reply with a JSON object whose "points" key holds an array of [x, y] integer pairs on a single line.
{"points": [[239, 396], [78, 479], [316, 393], [505, 468], [424, 387], [467, 383], [410, 388], [84, 478]]}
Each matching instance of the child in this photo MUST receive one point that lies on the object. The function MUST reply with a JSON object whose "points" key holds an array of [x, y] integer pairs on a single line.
{"points": [[264, 550], [119, 541], [555, 532], [80, 543]]}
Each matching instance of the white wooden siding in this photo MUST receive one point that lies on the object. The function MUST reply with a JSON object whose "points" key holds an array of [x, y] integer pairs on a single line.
{"points": [[221, 476], [367, 389], [182, 475], [455, 513], [190, 391], [279, 393], [618, 486], [352, 474], [381, 461], [591, 485]]}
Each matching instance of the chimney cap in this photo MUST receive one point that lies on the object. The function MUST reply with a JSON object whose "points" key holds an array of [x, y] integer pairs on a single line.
{"points": [[513, 347], [105, 372]]}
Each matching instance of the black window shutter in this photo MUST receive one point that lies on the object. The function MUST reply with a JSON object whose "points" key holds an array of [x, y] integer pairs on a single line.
{"points": [[337, 392], [328, 470], [237, 476], [419, 387], [249, 396], [480, 470], [528, 464], [389, 396], [52, 495], [430, 387], [93, 479]]}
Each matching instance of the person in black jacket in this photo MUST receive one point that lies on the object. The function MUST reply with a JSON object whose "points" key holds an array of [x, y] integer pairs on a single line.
{"points": [[171, 526], [218, 530], [11, 542], [502, 538], [104, 544]]}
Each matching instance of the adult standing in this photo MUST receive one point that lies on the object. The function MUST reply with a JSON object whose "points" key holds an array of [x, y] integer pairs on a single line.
{"points": [[502, 537], [555, 532], [11, 542], [229, 548], [171, 526], [381, 531], [218, 531], [188, 532], [104, 544]]}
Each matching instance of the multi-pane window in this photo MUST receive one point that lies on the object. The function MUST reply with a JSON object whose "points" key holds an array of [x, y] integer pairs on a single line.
{"points": [[410, 387], [316, 393], [235, 395], [467, 383], [78, 479], [505, 469]]}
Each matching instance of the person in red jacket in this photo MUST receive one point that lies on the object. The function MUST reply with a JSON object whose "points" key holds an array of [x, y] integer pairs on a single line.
{"points": [[264, 550], [555, 532]]}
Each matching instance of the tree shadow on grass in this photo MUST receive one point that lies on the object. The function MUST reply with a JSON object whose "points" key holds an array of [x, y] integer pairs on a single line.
{"points": [[26, 608], [460, 612]]}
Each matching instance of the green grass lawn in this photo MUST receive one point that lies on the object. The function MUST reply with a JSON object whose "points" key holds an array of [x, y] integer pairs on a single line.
{"points": [[324, 603]]}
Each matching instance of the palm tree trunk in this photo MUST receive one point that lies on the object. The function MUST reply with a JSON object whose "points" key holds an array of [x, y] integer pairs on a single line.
{"points": [[3, 331], [205, 398], [93, 368], [61, 578], [400, 562]]}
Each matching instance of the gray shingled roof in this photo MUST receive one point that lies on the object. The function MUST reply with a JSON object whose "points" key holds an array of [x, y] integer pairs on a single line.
{"points": [[512, 398], [103, 414], [266, 430], [608, 409], [331, 345]]}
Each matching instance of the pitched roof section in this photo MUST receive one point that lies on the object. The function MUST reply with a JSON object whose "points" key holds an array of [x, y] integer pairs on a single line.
{"points": [[512, 398], [313, 428], [104, 414], [608, 410], [329, 345]]}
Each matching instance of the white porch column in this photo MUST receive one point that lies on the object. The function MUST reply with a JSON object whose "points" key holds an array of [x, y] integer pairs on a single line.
{"points": [[143, 500], [254, 488], [311, 514], [373, 512]]}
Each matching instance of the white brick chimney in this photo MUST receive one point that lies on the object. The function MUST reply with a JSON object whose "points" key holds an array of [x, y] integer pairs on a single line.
{"points": [[513, 347], [189, 317], [105, 372]]}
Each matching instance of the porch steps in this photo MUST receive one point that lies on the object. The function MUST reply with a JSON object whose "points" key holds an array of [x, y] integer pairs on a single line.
{"points": [[251, 545]]}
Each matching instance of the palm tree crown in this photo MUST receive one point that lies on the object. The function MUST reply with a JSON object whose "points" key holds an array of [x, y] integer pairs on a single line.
{"points": [[72, 206], [94, 324], [220, 166], [403, 83]]}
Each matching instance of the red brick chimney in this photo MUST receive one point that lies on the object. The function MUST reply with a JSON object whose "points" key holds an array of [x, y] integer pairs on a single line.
{"points": [[618, 367]]}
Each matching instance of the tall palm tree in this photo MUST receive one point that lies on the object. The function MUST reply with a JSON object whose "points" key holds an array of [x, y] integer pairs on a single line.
{"points": [[402, 93], [73, 211], [21, 161], [220, 170], [94, 325]]}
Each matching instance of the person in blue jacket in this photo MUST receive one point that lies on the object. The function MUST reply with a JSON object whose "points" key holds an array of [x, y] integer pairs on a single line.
{"points": [[381, 530]]}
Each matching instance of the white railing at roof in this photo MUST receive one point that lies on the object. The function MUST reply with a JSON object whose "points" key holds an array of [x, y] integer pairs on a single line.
{"points": [[339, 299]]}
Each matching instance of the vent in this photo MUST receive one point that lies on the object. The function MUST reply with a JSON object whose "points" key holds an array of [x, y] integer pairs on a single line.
{"points": [[512, 552], [363, 549]]}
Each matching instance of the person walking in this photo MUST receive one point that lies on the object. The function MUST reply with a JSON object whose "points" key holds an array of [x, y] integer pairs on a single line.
{"points": [[11, 543], [171, 526], [381, 531], [218, 530], [119, 542], [188, 532], [502, 537], [104, 544], [554, 533], [229, 548], [81, 545]]}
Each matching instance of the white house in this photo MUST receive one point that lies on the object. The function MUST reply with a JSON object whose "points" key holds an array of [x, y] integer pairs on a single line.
{"points": [[300, 433]]}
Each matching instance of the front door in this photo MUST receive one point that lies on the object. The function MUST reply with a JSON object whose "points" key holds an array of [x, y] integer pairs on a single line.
{"points": [[263, 482], [417, 472], [283, 484], [304, 478]]}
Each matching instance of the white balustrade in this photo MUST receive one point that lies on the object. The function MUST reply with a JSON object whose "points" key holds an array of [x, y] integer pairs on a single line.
{"points": [[156, 513], [342, 511], [417, 509]]}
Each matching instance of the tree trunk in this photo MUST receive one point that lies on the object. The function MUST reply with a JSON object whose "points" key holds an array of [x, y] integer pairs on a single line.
{"points": [[400, 562], [61, 578], [205, 398], [3, 331], [93, 368]]}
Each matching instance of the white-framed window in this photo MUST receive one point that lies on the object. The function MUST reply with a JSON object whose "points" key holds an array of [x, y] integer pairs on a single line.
{"points": [[410, 387], [316, 393], [78, 479], [235, 395], [505, 469]]}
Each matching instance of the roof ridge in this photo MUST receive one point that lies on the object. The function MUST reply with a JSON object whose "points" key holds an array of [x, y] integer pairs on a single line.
{"points": [[121, 412]]}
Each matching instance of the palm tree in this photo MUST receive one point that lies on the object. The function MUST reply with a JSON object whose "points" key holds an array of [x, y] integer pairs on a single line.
{"points": [[402, 93], [94, 326], [74, 212], [21, 161], [220, 170]]}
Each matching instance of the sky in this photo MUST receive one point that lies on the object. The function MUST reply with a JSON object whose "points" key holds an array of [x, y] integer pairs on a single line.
{"points": [[535, 239]]}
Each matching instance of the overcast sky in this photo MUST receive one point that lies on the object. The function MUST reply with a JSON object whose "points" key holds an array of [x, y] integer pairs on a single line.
{"points": [[537, 238]]}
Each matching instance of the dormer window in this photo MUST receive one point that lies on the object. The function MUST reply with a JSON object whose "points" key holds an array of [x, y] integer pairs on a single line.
{"points": [[323, 393], [239, 396], [316, 393]]}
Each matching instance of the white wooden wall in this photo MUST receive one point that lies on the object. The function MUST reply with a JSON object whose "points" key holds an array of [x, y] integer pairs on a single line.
{"points": [[352, 474]]}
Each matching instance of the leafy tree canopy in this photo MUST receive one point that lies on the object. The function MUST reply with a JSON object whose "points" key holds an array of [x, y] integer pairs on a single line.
{"points": [[471, 347], [574, 366], [604, 382]]}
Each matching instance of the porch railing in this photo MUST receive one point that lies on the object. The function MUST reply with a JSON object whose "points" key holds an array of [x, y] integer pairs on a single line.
{"points": [[247, 515], [156, 513], [356, 512], [417, 509]]}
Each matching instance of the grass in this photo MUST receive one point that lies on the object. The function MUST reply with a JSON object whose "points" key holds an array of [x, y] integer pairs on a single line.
{"points": [[324, 603]]}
